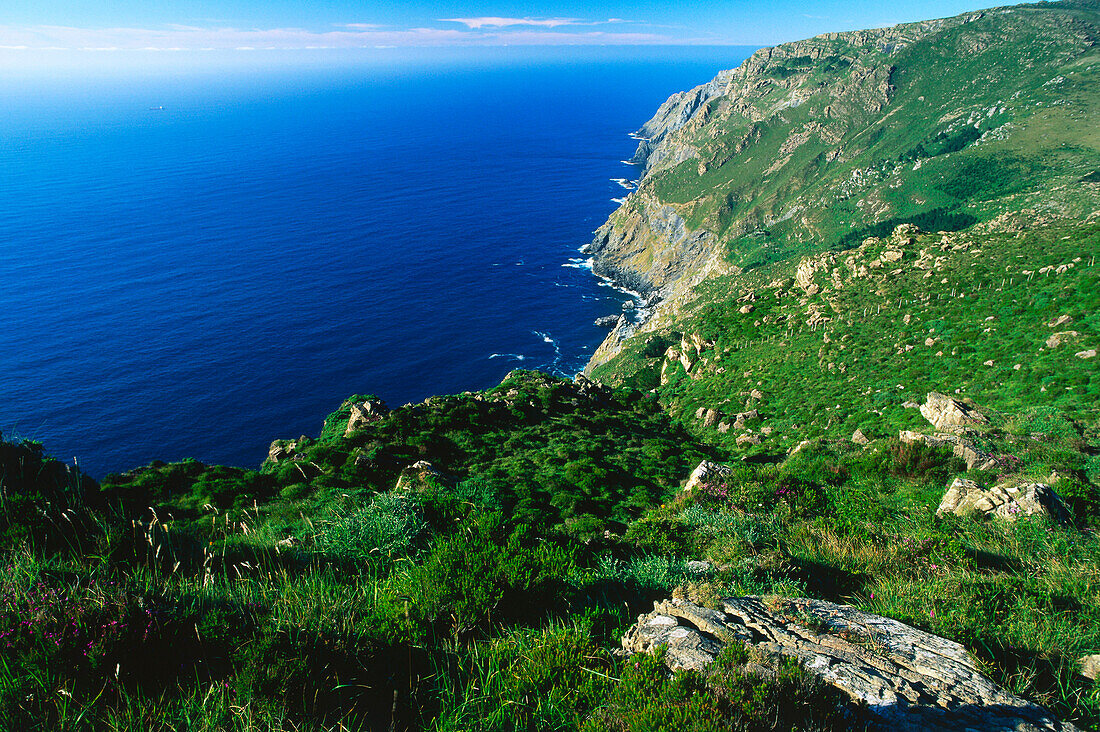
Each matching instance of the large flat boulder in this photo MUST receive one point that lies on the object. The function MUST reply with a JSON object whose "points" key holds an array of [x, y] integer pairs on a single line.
{"points": [[908, 679]]}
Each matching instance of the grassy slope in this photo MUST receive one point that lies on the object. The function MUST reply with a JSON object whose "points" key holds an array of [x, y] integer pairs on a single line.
{"points": [[313, 595], [210, 598], [857, 369]]}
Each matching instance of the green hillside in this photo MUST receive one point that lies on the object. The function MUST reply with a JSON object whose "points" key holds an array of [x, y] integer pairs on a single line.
{"points": [[843, 341], [871, 266], [818, 144]]}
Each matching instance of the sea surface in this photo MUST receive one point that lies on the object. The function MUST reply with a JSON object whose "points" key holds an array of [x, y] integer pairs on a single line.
{"points": [[192, 266]]}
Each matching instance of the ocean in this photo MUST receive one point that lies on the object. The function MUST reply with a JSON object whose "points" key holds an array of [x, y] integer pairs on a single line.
{"points": [[193, 266]]}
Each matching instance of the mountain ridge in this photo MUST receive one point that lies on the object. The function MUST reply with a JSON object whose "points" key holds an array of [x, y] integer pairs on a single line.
{"points": [[806, 144]]}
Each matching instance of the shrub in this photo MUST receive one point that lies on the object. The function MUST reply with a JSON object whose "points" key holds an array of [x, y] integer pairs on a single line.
{"points": [[389, 526], [659, 534], [485, 571]]}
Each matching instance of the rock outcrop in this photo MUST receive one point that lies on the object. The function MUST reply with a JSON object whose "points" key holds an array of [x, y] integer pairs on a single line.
{"points": [[908, 679], [1059, 338], [417, 475], [363, 413], [950, 415], [974, 458], [1008, 501], [704, 472], [285, 449], [1089, 666], [650, 249]]}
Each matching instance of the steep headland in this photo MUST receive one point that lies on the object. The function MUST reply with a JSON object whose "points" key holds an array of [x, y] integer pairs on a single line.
{"points": [[979, 122]]}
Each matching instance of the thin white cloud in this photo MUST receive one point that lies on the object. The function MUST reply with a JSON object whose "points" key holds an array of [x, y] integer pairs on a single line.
{"points": [[475, 32], [494, 22]]}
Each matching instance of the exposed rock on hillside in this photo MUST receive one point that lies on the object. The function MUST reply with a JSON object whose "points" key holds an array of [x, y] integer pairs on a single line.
{"points": [[1058, 339], [704, 472], [910, 680], [363, 413], [964, 449], [285, 449], [417, 475], [950, 415], [1008, 501], [653, 250], [1089, 666]]}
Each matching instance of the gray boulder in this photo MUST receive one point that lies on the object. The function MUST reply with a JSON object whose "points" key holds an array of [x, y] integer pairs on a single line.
{"points": [[909, 680]]}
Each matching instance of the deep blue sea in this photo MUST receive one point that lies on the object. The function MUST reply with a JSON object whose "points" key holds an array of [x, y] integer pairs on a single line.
{"points": [[199, 279]]}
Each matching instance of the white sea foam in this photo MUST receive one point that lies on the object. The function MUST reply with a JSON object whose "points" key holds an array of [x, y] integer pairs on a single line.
{"points": [[516, 356], [578, 263], [624, 182], [629, 162], [606, 282], [555, 366], [619, 201]]}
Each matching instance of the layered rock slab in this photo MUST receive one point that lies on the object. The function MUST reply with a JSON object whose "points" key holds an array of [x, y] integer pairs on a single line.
{"points": [[908, 679], [1009, 501]]}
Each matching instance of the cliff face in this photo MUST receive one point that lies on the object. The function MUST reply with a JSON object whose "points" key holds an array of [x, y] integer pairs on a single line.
{"points": [[650, 249], [820, 143]]}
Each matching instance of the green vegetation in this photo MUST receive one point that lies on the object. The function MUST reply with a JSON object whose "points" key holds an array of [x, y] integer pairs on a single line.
{"points": [[961, 313], [472, 562], [443, 602]]}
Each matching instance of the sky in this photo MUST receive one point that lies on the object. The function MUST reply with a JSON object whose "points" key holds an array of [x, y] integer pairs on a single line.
{"points": [[91, 27]]}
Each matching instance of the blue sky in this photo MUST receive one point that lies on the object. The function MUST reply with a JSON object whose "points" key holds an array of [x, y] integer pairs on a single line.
{"points": [[229, 25]]}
